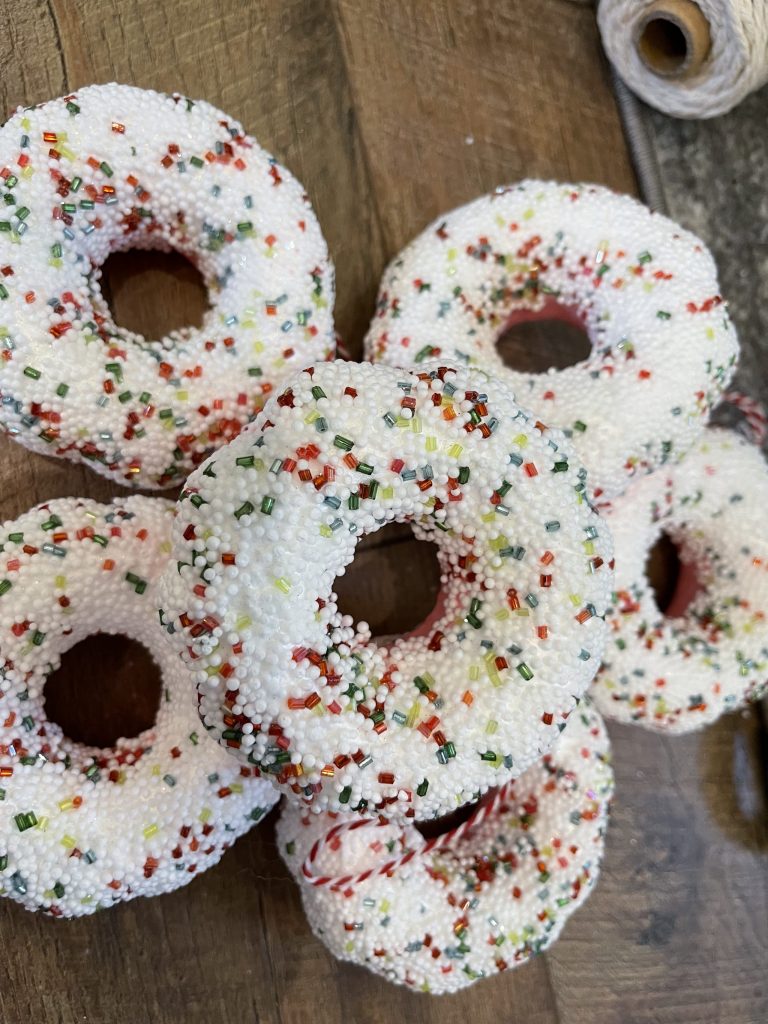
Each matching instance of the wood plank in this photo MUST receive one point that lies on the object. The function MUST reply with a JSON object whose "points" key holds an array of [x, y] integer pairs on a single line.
{"points": [[389, 112]]}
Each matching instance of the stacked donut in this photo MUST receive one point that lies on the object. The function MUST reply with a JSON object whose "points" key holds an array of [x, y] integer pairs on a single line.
{"points": [[109, 168], [269, 689], [662, 352], [480, 706]]}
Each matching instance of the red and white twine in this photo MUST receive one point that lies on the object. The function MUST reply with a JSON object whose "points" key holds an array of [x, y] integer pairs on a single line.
{"points": [[483, 811]]}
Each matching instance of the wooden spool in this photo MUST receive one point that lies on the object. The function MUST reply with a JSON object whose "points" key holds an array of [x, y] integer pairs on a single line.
{"points": [[673, 39]]}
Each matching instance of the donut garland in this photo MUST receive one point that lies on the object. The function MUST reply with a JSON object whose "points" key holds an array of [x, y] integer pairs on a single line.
{"points": [[645, 290], [290, 685], [80, 827], [438, 915], [113, 167], [681, 671]]}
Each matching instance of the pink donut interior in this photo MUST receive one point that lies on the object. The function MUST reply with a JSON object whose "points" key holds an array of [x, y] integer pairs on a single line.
{"points": [[549, 309], [688, 586]]}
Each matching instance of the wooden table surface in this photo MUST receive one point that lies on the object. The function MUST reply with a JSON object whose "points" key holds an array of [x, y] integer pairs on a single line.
{"points": [[389, 112]]}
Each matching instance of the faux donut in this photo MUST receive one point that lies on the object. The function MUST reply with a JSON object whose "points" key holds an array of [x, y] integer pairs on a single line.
{"points": [[83, 828], [709, 653], [439, 914], [645, 290], [112, 167], [286, 681]]}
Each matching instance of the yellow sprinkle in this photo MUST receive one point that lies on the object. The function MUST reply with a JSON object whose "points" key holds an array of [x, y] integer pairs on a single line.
{"points": [[502, 614], [282, 584], [156, 769], [258, 346], [326, 531], [182, 395], [166, 547], [387, 493], [416, 424], [575, 599], [243, 622], [430, 443], [151, 830], [521, 441], [68, 842], [455, 450], [311, 416], [474, 673], [42, 824], [205, 814], [65, 805], [236, 787], [452, 253]]}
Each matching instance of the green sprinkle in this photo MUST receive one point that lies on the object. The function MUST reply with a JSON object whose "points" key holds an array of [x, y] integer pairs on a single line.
{"points": [[317, 392], [5, 586], [343, 442], [245, 510], [524, 671], [422, 787], [267, 504], [30, 371]]}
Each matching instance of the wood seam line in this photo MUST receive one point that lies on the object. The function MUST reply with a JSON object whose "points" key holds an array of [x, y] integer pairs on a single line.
{"points": [[338, 28]]}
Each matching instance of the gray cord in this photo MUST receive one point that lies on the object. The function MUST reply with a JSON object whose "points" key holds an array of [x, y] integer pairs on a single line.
{"points": [[640, 147]]}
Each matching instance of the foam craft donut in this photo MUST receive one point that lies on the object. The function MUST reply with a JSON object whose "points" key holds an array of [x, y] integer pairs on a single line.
{"points": [[645, 291], [709, 653], [440, 914], [291, 685], [80, 827], [112, 167]]}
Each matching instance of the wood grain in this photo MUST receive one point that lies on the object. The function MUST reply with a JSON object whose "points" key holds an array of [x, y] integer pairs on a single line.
{"points": [[389, 111]]}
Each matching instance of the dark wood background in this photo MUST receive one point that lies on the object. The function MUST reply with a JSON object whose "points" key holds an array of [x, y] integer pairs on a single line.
{"points": [[389, 112]]}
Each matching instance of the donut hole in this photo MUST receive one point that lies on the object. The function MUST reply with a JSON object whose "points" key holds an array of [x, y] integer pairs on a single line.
{"points": [[106, 687], [447, 822], [392, 583], [551, 338], [152, 293], [672, 580]]}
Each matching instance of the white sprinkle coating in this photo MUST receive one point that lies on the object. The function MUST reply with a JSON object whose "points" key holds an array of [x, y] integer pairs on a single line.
{"points": [[82, 827], [645, 290], [681, 671], [113, 167], [263, 530], [475, 902]]}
